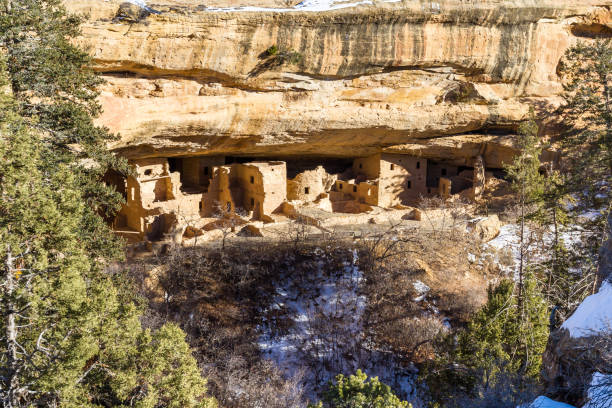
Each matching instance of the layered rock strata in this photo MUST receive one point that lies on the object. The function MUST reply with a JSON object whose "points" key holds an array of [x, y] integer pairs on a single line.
{"points": [[448, 80]]}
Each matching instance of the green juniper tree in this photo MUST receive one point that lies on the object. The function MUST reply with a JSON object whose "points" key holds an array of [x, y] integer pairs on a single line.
{"points": [[70, 333], [587, 147], [501, 344], [587, 143], [357, 391], [527, 181], [57, 93]]}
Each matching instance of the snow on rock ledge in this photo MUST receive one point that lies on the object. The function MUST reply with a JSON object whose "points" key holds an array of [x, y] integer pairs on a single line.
{"points": [[594, 315], [544, 402]]}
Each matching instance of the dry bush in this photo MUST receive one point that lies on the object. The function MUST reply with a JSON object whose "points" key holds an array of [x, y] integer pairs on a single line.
{"points": [[256, 385], [394, 260], [507, 391], [215, 296]]}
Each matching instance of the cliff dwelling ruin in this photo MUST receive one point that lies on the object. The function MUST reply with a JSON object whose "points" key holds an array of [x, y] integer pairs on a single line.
{"points": [[182, 197]]}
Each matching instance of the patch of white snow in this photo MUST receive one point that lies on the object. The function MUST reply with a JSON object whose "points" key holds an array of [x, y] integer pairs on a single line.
{"points": [[422, 290], [544, 402], [318, 332], [600, 391], [594, 315]]}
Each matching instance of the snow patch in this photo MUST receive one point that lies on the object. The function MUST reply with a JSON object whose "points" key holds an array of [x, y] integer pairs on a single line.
{"points": [[313, 328], [594, 315], [422, 290], [544, 402], [600, 391], [306, 5]]}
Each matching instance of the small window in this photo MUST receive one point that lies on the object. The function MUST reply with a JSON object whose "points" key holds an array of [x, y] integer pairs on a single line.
{"points": [[148, 172], [409, 184], [252, 180], [360, 165], [392, 166], [306, 190], [200, 205], [206, 171], [354, 189], [340, 186], [252, 202], [444, 172], [418, 165]]}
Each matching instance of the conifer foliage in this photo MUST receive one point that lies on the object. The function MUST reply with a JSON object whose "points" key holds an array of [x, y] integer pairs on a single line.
{"points": [[70, 332], [501, 346], [357, 391], [587, 114]]}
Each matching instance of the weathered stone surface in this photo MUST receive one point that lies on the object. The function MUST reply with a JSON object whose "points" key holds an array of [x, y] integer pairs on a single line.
{"points": [[389, 75], [485, 228]]}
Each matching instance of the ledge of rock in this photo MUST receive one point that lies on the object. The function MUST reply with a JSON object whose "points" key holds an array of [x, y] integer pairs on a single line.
{"points": [[408, 75]]}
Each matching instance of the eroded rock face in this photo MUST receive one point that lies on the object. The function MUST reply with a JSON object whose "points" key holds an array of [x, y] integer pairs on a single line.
{"points": [[449, 79]]}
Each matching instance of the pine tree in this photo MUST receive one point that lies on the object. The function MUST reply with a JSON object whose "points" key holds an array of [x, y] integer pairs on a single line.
{"points": [[587, 143], [501, 337], [57, 93], [69, 334], [528, 183], [357, 391], [587, 147], [500, 342]]}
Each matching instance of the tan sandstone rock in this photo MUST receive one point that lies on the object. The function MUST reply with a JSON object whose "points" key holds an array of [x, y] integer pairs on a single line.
{"points": [[350, 82]]}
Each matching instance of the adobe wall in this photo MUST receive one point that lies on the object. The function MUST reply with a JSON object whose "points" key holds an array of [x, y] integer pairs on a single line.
{"points": [[444, 187], [196, 172], [310, 184], [437, 170], [402, 179], [274, 177], [367, 166], [263, 184], [260, 187], [154, 201]]}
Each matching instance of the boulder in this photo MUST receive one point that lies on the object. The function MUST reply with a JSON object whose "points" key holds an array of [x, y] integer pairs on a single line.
{"points": [[485, 228]]}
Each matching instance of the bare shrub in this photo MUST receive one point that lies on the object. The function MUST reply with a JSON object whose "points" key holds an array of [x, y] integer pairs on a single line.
{"points": [[215, 295], [507, 391], [256, 385]]}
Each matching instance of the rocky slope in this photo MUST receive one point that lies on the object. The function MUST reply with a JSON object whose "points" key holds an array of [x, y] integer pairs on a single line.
{"points": [[447, 79]]}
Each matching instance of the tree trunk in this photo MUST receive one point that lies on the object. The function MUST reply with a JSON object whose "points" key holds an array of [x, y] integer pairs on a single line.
{"points": [[11, 380]]}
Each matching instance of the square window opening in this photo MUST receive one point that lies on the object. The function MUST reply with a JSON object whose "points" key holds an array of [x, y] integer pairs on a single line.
{"points": [[252, 180], [306, 190]]}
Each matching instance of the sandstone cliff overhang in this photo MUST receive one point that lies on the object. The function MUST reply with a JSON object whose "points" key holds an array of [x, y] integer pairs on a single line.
{"points": [[347, 82]]}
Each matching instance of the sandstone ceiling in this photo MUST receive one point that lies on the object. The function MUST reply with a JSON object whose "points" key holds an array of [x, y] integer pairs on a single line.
{"points": [[439, 79]]}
